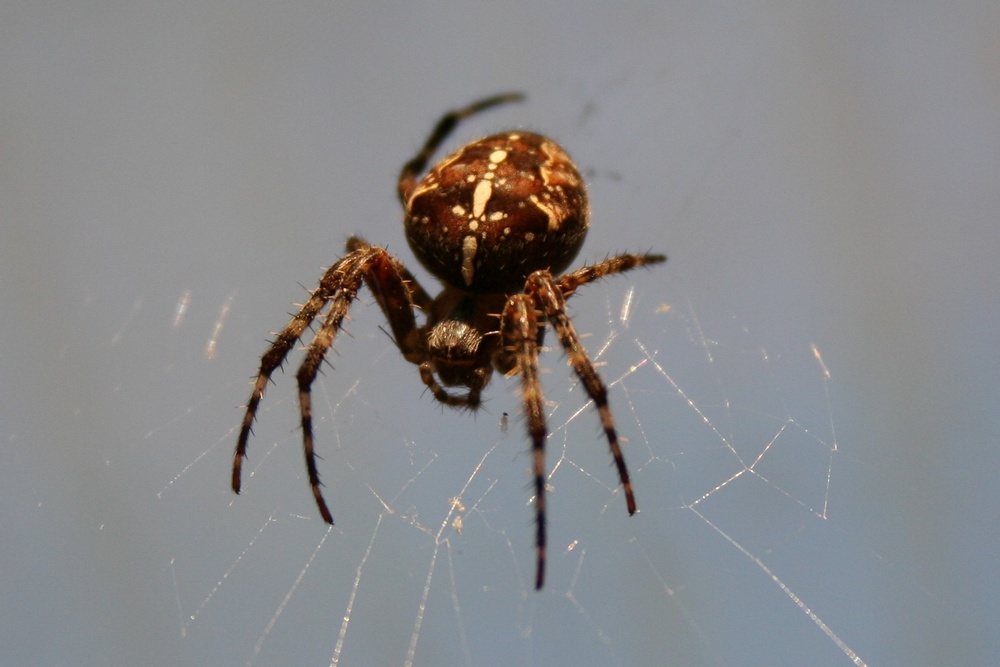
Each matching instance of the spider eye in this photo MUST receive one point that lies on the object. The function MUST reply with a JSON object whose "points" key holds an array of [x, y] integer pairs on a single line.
{"points": [[500, 208]]}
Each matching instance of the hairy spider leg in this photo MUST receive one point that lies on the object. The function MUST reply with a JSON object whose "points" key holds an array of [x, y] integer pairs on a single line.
{"points": [[521, 332], [545, 290], [275, 356], [570, 282], [418, 296], [394, 290], [339, 286]]}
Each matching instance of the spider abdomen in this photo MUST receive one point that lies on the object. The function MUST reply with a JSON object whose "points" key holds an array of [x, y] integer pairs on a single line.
{"points": [[496, 210]]}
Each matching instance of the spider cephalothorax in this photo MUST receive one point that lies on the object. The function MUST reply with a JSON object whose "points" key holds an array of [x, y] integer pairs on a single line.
{"points": [[497, 222]]}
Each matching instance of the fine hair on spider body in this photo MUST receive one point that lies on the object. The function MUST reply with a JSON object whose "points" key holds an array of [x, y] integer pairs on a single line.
{"points": [[497, 222]]}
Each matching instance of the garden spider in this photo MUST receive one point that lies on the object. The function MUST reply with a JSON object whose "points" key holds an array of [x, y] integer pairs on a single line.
{"points": [[497, 222]]}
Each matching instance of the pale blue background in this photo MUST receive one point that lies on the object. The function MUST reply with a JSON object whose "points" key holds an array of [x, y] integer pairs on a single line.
{"points": [[820, 174]]}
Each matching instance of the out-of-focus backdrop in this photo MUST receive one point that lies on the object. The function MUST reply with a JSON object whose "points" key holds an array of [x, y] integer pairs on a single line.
{"points": [[808, 388]]}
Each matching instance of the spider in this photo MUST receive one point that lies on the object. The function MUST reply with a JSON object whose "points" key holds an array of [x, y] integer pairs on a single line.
{"points": [[497, 222]]}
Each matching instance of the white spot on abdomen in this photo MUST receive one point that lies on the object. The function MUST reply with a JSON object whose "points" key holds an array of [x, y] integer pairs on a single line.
{"points": [[555, 216], [481, 195], [469, 247]]}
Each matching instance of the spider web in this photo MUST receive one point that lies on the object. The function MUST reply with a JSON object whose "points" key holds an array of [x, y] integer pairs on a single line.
{"points": [[733, 452]]}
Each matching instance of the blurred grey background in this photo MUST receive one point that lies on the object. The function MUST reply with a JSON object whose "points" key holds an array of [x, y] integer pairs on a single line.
{"points": [[808, 386]]}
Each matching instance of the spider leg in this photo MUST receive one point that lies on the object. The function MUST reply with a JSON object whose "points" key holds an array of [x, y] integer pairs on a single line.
{"points": [[380, 271], [306, 375], [412, 169], [547, 293], [339, 287], [419, 297], [570, 282], [394, 289], [519, 328], [276, 354]]}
